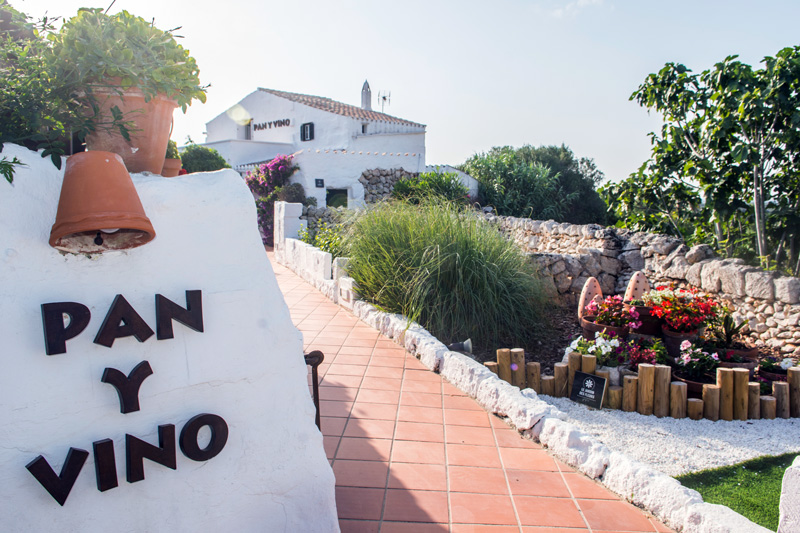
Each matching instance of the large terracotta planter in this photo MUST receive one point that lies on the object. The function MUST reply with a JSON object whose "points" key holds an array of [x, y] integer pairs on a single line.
{"points": [[99, 208], [149, 132], [673, 340], [591, 329], [749, 356], [651, 324], [771, 376], [171, 168], [694, 388]]}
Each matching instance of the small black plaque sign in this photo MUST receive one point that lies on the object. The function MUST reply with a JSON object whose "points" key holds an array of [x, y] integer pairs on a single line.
{"points": [[588, 389], [319, 183]]}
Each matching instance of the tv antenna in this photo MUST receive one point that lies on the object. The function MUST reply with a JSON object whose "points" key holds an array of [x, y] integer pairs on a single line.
{"points": [[385, 98]]}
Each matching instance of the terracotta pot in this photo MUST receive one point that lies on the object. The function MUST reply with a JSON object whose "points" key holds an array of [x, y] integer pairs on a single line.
{"points": [[590, 329], [750, 357], [171, 168], [694, 388], [673, 340], [771, 376], [99, 209], [149, 132], [651, 324]]}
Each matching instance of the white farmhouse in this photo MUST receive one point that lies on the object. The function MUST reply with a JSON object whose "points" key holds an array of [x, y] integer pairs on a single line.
{"points": [[333, 142]]}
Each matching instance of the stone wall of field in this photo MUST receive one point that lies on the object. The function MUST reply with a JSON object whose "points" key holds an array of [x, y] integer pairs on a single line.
{"points": [[569, 254]]}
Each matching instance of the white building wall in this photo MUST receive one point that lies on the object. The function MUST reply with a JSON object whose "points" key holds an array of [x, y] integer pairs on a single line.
{"points": [[236, 152], [339, 153]]}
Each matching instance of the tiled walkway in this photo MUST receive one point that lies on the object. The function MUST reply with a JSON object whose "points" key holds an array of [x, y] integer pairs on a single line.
{"points": [[411, 453]]}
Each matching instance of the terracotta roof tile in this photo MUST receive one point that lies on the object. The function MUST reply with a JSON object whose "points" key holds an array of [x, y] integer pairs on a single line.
{"points": [[339, 108]]}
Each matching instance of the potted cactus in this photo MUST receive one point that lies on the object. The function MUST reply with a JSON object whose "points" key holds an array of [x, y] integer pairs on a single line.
{"points": [[126, 68]]}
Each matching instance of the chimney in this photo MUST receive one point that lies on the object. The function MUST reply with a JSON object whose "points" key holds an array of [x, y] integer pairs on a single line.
{"points": [[366, 97]]}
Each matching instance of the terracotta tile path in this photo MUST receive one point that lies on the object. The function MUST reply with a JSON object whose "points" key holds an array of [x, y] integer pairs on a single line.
{"points": [[412, 453]]}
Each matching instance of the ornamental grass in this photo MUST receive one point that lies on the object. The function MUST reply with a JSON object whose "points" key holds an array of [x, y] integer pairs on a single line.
{"points": [[442, 266]]}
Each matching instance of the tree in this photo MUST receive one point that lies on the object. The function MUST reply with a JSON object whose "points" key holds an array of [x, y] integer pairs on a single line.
{"points": [[730, 141], [542, 183], [198, 158]]}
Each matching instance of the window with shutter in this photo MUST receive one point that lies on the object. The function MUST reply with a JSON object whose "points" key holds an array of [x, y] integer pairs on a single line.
{"points": [[307, 131]]}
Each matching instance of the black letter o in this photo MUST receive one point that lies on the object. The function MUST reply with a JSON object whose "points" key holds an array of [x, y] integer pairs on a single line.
{"points": [[188, 439]]}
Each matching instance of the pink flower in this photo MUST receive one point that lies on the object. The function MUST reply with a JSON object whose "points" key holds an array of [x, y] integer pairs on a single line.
{"points": [[685, 345]]}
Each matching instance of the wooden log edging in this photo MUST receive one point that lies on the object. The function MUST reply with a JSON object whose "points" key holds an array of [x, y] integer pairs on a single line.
{"points": [[733, 397]]}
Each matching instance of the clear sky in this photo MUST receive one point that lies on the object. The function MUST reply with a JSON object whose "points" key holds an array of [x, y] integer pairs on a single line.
{"points": [[477, 73]]}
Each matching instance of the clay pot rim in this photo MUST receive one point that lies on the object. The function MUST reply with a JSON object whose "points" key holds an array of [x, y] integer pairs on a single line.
{"points": [[665, 329]]}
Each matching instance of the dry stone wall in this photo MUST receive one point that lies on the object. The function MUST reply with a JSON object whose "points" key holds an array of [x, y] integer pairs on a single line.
{"points": [[379, 182], [569, 254], [315, 216]]}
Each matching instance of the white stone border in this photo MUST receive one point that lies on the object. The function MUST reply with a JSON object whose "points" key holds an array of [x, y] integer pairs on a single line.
{"points": [[678, 507]]}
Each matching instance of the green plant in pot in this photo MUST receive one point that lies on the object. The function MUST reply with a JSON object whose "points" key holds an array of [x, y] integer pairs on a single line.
{"points": [[38, 109], [172, 164], [126, 68], [724, 336]]}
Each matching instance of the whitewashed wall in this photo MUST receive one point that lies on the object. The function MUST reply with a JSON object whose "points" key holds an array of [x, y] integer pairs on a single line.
{"points": [[246, 367]]}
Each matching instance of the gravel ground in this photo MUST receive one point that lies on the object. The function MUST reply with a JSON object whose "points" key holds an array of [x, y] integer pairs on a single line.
{"points": [[678, 446]]}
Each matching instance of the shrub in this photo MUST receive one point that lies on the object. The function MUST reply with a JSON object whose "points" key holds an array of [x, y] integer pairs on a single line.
{"points": [[37, 109], [265, 182], [327, 237], [198, 158], [445, 185], [539, 182], [447, 269], [293, 192]]}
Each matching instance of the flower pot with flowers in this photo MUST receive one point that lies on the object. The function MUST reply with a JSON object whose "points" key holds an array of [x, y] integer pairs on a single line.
{"points": [[651, 324], [123, 67], [609, 316], [695, 367], [773, 369], [643, 350], [606, 347], [684, 312]]}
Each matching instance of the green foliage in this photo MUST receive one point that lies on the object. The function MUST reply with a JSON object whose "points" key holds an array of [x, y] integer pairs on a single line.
{"points": [[172, 150], [198, 158], [725, 167], [751, 488], [293, 192], [446, 268], [327, 237], [541, 183], [445, 185], [36, 110], [47, 78], [7, 168], [93, 47]]}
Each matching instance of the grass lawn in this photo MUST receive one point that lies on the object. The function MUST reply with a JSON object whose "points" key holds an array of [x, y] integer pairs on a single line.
{"points": [[752, 488]]}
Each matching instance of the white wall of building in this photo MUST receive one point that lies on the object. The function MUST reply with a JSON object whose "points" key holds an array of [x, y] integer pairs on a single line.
{"points": [[339, 153], [250, 151], [247, 367]]}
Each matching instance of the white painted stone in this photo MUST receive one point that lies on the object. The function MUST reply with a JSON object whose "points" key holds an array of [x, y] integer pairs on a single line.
{"points": [[346, 296], [464, 373], [321, 264], [574, 447], [790, 503], [247, 367]]}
